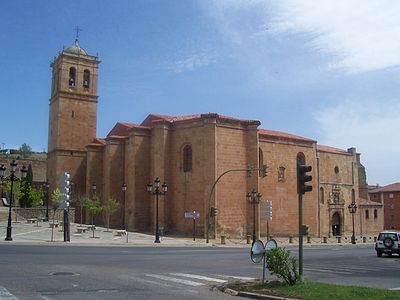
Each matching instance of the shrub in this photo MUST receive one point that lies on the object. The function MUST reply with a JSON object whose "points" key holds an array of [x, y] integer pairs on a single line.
{"points": [[282, 265]]}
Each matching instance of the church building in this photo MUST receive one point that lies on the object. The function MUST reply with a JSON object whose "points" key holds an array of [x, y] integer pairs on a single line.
{"points": [[189, 154]]}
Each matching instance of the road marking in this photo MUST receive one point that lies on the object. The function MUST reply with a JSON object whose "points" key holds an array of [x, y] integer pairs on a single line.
{"points": [[6, 295], [236, 277], [177, 280], [198, 277], [327, 271], [395, 289]]}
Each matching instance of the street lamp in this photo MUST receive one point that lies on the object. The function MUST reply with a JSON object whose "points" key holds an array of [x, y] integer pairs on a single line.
{"points": [[46, 186], [155, 190], [254, 198], [123, 188], [13, 178], [352, 209], [94, 187]]}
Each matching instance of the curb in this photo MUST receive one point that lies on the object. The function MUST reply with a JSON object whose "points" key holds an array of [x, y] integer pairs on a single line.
{"points": [[250, 295]]}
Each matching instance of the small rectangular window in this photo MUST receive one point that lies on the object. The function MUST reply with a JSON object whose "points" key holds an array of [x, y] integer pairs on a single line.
{"points": [[391, 196], [367, 214], [73, 114]]}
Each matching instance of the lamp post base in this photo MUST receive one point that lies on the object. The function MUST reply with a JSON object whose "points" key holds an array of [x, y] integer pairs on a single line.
{"points": [[8, 237], [353, 240]]}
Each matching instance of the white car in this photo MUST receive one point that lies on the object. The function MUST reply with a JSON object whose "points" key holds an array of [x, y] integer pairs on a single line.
{"points": [[388, 242]]}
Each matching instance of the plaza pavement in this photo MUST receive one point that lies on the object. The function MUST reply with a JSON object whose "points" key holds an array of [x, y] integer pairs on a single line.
{"points": [[41, 233]]}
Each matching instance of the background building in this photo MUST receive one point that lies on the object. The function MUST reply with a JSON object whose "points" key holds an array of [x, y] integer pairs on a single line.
{"points": [[389, 197]]}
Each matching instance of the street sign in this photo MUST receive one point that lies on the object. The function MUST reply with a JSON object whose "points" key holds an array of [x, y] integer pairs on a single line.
{"points": [[192, 215], [266, 205], [257, 252]]}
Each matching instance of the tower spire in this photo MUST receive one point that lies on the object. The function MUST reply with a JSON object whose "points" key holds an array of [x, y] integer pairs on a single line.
{"points": [[77, 29]]}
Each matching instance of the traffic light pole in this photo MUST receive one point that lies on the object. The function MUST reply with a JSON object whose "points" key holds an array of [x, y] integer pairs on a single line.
{"points": [[249, 169], [300, 235]]}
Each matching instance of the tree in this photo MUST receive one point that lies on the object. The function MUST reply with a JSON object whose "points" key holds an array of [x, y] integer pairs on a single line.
{"points": [[110, 207], [28, 191], [25, 150], [80, 201], [56, 200], [94, 207], [282, 265]]}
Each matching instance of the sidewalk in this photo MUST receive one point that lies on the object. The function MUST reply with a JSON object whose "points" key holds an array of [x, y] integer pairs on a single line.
{"points": [[41, 232]]}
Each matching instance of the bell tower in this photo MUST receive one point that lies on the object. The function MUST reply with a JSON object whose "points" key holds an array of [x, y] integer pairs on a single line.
{"points": [[72, 115]]}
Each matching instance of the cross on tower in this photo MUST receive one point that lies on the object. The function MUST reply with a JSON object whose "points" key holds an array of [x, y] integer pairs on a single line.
{"points": [[77, 29]]}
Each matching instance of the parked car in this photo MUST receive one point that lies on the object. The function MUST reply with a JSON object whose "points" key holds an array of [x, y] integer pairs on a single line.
{"points": [[388, 242]]}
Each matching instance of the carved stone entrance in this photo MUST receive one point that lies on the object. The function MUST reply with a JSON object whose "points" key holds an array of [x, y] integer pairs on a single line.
{"points": [[336, 224]]}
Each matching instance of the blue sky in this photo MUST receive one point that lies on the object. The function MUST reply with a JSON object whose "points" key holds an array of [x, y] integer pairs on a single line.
{"points": [[327, 70]]}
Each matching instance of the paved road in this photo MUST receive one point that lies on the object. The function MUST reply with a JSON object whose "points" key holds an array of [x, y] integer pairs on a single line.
{"points": [[82, 272]]}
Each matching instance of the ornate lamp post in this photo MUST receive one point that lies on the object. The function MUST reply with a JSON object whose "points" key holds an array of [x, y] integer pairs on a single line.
{"points": [[352, 209], [94, 187], [123, 188], [254, 198], [155, 190], [46, 186], [13, 178]]}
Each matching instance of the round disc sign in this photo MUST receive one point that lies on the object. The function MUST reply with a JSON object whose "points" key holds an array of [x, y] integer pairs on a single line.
{"points": [[257, 252]]}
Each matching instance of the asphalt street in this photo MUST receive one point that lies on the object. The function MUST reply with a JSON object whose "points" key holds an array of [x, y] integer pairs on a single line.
{"points": [[82, 272]]}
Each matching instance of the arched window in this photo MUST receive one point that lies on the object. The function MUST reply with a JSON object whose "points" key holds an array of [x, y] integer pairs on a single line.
{"points": [[260, 160], [321, 195], [301, 159], [187, 158], [72, 76], [375, 213], [86, 78], [367, 214]]}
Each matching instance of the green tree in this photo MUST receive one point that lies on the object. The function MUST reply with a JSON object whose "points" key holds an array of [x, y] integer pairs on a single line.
{"points": [[110, 207], [25, 150], [16, 190], [282, 265], [94, 207], [56, 200], [36, 196], [26, 186]]}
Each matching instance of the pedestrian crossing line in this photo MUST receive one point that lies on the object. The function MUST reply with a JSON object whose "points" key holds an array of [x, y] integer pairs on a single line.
{"points": [[205, 278], [6, 295], [236, 277], [395, 289], [177, 280], [327, 271]]}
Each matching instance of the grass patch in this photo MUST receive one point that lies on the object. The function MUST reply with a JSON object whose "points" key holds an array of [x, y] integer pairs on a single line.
{"points": [[315, 290]]}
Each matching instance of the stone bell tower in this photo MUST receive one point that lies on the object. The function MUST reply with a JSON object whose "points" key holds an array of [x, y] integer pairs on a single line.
{"points": [[72, 115]]}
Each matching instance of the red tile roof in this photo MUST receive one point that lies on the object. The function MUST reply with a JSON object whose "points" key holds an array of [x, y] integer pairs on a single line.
{"points": [[121, 129], [394, 187], [174, 119], [331, 149], [285, 135]]}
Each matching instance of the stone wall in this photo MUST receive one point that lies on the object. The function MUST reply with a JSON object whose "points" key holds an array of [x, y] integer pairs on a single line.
{"points": [[40, 212]]}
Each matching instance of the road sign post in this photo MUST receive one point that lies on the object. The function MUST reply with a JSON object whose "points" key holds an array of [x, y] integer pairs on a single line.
{"points": [[193, 215], [258, 252]]}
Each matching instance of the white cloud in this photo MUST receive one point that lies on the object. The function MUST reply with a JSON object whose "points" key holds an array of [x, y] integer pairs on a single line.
{"points": [[361, 35], [191, 62], [373, 128]]}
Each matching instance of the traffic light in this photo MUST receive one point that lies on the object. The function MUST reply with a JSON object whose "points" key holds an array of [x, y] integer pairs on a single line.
{"points": [[263, 171], [302, 178], [213, 211], [65, 187], [304, 230]]}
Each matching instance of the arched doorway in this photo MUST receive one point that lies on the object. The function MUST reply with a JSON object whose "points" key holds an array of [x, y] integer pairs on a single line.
{"points": [[336, 224]]}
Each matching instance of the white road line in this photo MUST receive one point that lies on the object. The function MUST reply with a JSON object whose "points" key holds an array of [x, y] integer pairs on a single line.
{"points": [[177, 280], [327, 271], [198, 277], [6, 295], [395, 289], [235, 277]]}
